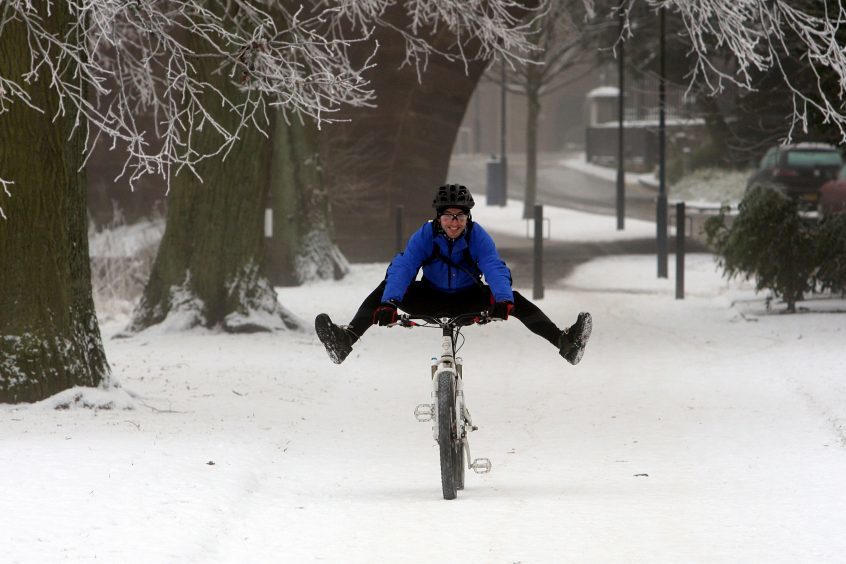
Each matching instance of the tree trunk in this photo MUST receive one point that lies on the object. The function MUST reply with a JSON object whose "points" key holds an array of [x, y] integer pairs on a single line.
{"points": [[302, 248], [718, 130], [398, 153], [49, 336], [533, 114], [210, 268]]}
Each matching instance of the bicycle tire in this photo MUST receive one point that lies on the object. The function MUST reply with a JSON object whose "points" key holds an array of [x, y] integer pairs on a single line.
{"points": [[446, 433], [460, 465]]}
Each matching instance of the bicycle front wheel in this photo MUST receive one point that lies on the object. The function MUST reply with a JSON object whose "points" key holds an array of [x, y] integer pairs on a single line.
{"points": [[447, 434], [458, 459], [459, 465]]}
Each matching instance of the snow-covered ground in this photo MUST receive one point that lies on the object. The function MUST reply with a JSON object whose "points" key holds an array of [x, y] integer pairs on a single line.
{"points": [[563, 225], [698, 430]]}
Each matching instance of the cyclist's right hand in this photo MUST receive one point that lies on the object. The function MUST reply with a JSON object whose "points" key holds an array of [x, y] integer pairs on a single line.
{"points": [[385, 314], [501, 310]]}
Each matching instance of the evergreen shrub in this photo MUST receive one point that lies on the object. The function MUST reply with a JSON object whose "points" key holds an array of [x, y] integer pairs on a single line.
{"points": [[831, 253], [768, 241]]}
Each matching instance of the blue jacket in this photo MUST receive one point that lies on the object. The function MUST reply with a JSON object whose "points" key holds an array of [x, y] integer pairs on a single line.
{"points": [[403, 269]]}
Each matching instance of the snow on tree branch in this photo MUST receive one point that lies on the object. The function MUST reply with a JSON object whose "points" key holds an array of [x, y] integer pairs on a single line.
{"points": [[118, 58], [143, 55], [482, 29], [762, 36]]}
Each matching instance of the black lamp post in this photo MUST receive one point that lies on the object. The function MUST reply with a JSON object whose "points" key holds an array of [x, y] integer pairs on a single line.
{"points": [[621, 168], [661, 205], [502, 159]]}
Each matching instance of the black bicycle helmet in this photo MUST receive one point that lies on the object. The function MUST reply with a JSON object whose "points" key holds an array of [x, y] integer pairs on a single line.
{"points": [[453, 196]]}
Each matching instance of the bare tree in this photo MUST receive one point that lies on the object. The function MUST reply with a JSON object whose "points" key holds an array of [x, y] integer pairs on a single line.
{"points": [[75, 73], [758, 35], [563, 52]]}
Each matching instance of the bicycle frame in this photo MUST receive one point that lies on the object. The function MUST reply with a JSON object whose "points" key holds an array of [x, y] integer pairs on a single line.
{"points": [[450, 364]]}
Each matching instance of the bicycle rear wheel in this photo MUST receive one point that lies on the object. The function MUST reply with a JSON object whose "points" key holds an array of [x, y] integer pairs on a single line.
{"points": [[446, 434]]}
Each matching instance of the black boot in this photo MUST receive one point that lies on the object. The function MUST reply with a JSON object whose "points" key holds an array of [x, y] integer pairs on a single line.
{"points": [[572, 341], [337, 340]]}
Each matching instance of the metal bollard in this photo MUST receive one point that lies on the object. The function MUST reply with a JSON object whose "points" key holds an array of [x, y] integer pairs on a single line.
{"points": [[661, 234], [494, 183], [680, 236], [537, 288]]}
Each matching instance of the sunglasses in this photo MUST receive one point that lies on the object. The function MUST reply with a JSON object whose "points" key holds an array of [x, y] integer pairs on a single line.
{"points": [[459, 217]]}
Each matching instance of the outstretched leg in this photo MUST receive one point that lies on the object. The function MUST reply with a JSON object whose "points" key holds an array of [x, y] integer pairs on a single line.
{"points": [[339, 339], [570, 342], [536, 320]]}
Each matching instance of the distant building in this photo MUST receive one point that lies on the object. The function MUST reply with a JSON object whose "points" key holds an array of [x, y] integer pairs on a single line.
{"points": [[562, 123], [641, 124]]}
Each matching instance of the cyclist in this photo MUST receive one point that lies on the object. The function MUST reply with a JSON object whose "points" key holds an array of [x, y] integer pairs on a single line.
{"points": [[454, 253]]}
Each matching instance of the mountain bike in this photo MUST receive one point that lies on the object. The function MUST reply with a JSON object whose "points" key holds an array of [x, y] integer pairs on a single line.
{"points": [[451, 421]]}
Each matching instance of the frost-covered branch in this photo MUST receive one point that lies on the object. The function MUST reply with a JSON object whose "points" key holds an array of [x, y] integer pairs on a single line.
{"points": [[119, 58], [762, 36], [129, 57], [479, 29]]}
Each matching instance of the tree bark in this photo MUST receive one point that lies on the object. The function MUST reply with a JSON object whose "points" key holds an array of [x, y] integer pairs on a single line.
{"points": [[210, 267], [718, 129], [397, 154], [302, 248], [49, 336]]}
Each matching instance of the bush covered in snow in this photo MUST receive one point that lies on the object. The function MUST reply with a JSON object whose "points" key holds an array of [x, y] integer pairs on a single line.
{"points": [[711, 184]]}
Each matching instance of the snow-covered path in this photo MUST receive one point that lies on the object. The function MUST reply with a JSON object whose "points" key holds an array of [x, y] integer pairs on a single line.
{"points": [[692, 431]]}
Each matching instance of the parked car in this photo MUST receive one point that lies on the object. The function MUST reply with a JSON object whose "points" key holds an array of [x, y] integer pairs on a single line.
{"points": [[833, 194], [799, 169]]}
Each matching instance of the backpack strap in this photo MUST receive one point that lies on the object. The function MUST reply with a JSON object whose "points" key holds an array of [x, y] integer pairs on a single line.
{"points": [[475, 273]]}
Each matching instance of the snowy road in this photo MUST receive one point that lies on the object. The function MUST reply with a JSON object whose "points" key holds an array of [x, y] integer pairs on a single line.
{"points": [[693, 431], [563, 180]]}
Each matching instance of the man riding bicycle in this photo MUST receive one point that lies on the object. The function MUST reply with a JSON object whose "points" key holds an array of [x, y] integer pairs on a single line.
{"points": [[454, 253]]}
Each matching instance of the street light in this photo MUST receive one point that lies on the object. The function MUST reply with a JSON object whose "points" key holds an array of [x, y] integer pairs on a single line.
{"points": [[502, 159], [661, 204], [621, 168]]}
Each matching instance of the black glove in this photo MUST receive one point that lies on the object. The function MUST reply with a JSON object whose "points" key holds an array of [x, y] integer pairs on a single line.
{"points": [[385, 314], [501, 310]]}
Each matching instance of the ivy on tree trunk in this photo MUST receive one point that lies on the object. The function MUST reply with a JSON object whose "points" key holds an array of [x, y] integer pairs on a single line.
{"points": [[49, 336]]}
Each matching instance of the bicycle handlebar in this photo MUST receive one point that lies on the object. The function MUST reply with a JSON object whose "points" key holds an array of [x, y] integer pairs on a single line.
{"points": [[408, 320]]}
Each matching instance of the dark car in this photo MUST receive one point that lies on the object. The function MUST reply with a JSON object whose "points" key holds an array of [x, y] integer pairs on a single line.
{"points": [[833, 194], [800, 169]]}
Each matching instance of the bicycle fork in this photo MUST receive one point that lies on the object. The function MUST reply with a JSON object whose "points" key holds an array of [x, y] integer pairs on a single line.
{"points": [[464, 423]]}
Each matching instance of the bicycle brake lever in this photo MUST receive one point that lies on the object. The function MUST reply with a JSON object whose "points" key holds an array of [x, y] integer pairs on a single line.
{"points": [[404, 322]]}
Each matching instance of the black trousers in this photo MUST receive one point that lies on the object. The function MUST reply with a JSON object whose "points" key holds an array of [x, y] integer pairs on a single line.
{"points": [[424, 299]]}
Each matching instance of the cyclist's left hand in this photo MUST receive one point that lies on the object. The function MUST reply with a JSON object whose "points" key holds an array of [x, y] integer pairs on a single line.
{"points": [[501, 310]]}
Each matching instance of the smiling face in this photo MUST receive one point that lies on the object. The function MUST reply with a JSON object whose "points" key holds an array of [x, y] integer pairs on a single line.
{"points": [[453, 222]]}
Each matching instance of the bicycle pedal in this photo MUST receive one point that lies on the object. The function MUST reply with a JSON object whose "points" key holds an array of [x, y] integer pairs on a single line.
{"points": [[481, 466], [424, 412]]}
